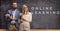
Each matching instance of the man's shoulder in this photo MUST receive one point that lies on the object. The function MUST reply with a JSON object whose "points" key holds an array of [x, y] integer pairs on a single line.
{"points": [[9, 10], [18, 10], [12, 9]]}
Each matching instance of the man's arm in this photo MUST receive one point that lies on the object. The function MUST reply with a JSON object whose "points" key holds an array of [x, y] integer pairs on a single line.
{"points": [[10, 17]]}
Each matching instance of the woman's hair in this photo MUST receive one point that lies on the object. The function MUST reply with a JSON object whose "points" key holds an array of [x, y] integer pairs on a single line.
{"points": [[24, 6]]}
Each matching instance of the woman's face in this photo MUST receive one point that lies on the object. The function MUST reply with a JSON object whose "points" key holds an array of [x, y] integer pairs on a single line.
{"points": [[25, 9]]}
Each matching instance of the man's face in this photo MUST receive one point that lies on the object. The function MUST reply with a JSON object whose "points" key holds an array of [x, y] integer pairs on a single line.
{"points": [[14, 5]]}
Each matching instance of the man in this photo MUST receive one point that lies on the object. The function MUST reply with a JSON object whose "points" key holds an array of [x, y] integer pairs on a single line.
{"points": [[13, 15], [26, 18]]}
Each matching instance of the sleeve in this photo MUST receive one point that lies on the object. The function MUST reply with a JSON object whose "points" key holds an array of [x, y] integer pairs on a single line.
{"points": [[20, 15], [28, 18], [9, 11], [7, 14]]}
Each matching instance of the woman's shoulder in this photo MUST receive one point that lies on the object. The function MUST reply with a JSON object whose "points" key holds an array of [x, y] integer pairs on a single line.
{"points": [[29, 12]]}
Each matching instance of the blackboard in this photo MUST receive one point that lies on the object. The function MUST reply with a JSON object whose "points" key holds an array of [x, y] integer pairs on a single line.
{"points": [[46, 13]]}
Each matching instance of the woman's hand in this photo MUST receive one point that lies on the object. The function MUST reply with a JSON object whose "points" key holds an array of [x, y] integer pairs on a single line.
{"points": [[21, 21]]}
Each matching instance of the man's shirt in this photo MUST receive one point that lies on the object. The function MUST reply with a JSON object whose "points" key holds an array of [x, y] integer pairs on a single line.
{"points": [[13, 13]]}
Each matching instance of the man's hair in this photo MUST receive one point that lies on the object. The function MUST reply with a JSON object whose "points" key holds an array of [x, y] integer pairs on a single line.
{"points": [[13, 2]]}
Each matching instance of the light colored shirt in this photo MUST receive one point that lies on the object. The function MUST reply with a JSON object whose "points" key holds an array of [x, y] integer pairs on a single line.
{"points": [[26, 24], [13, 14]]}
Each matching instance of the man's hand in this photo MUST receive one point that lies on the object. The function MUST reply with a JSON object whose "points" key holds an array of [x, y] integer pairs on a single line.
{"points": [[12, 18]]}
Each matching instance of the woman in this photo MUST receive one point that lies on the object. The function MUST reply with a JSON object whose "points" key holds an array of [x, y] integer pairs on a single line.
{"points": [[26, 18]]}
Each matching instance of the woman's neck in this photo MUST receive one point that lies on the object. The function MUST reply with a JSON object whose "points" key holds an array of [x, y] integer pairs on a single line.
{"points": [[25, 12]]}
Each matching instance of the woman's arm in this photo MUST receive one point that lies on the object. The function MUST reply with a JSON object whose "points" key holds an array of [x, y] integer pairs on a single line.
{"points": [[27, 18]]}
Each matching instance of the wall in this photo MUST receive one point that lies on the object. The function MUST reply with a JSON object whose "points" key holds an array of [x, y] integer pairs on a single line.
{"points": [[46, 13]]}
